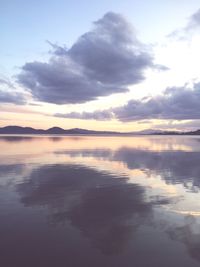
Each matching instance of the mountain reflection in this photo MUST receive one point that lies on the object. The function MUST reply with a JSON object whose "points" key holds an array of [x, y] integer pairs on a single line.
{"points": [[14, 139], [104, 207]]}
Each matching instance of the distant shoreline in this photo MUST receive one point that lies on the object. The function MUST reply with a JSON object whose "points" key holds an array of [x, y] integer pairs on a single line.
{"points": [[18, 130]]}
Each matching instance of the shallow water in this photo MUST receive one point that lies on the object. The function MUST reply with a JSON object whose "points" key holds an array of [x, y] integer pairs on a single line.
{"points": [[99, 201]]}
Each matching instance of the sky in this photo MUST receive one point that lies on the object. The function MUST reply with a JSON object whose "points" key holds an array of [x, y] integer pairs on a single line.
{"points": [[102, 65]]}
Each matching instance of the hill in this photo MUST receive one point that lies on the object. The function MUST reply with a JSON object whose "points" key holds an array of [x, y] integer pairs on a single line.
{"points": [[77, 131]]}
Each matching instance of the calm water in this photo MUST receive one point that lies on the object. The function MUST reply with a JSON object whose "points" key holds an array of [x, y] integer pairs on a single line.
{"points": [[99, 201]]}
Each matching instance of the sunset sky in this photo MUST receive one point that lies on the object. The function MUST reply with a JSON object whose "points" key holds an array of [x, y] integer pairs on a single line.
{"points": [[103, 65]]}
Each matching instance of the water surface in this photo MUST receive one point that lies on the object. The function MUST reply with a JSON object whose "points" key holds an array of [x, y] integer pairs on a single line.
{"points": [[99, 201]]}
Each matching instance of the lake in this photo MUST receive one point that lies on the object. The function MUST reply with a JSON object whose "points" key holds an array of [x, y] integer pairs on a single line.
{"points": [[99, 201]]}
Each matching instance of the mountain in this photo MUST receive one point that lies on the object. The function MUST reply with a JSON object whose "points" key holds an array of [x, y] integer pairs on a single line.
{"points": [[148, 131], [18, 130], [78, 131], [197, 132], [53, 130]]}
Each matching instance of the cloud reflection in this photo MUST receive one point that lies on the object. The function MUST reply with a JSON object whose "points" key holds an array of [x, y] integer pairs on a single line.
{"points": [[105, 199], [105, 208], [189, 234], [175, 167]]}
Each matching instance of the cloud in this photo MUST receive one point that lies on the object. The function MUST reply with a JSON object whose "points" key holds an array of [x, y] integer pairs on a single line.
{"points": [[194, 21], [6, 82], [8, 93], [11, 97], [99, 115], [177, 103], [103, 61], [57, 49], [191, 27]]}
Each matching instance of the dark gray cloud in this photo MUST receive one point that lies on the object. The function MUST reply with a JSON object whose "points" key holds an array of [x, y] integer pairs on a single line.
{"points": [[11, 98], [102, 62], [176, 103], [9, 94]]}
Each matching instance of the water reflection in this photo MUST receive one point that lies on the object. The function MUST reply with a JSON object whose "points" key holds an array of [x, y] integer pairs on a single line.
{"points": [[100, 201], [102, 206], [189, 234], [7, 171], [13, 138], [174, 166]]}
